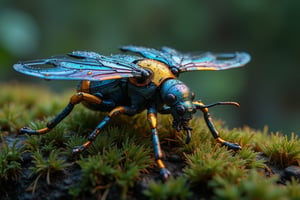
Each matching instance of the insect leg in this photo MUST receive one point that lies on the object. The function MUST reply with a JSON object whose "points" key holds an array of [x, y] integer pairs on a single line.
{"points": [[213, 130], [116, 111], [75, 99], [152, 120]]}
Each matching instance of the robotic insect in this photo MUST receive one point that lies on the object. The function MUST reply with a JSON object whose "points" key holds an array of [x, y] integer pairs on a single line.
{"points": [[129, 84]]}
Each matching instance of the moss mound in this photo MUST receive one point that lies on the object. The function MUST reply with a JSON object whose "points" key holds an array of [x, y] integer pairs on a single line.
{"points": [[120, 163]]}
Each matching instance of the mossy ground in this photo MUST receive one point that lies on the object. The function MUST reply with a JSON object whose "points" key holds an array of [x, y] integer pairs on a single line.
{"points": [[120, 163]]}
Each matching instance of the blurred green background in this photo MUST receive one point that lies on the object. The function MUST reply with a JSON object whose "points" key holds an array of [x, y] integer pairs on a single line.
{"points": [[267, 88]]}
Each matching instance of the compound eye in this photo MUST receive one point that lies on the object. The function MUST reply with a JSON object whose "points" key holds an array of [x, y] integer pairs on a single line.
{"points": [[180, 109], [170, 99]]}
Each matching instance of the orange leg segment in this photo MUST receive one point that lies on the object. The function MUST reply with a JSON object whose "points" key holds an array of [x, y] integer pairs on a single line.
{"points": [[75, 99]]}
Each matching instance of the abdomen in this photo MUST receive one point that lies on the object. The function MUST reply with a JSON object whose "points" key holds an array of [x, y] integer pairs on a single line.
{"points": [[111, 92]]}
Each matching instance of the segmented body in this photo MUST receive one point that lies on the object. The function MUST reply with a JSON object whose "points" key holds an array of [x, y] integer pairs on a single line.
{"points": [[127, 84], [131, 92]]}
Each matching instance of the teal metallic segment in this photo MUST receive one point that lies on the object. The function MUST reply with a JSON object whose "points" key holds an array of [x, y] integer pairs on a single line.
{"points": [[61, 116], [156, 144]]}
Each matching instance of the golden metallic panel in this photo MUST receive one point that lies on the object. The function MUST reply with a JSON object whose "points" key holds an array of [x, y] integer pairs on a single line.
{"points": [[160, 71]]}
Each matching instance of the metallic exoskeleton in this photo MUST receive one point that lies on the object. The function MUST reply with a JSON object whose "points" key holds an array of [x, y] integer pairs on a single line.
{"points": [[128, 84]]}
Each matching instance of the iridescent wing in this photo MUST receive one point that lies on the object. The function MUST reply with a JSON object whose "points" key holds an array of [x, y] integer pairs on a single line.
{"points": [[184, 62], [81, 65]]}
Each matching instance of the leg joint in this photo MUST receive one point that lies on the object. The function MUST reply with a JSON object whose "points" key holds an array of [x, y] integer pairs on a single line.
{"points": [[160, 163], [200, 105], [77, 98], [117, 111], [152, 120], [81, 96], [122, 109]]}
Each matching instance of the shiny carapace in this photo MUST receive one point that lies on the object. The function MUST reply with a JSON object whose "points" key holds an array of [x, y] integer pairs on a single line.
{"points": [[129, 84]]}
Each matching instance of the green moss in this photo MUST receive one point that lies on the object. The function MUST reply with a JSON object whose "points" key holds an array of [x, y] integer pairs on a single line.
{"points": [[113, 165], [172, 189], [293, 189], [252, 187], [209, 161], [282, 150], [121, 158], [10, 162], [46, 166]]}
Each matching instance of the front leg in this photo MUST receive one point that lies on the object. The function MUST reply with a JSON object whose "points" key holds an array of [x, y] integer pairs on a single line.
{"points": [[213, 130], [152, 120]]}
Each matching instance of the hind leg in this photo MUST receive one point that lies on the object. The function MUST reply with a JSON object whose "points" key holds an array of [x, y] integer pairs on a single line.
{"points": [[75, 99], [116, 111]]}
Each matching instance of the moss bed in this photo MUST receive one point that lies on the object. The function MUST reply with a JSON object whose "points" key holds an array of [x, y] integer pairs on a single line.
{"points": [[120, 163]]}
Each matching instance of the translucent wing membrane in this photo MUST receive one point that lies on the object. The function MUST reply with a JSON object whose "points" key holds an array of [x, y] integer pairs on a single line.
{"points": [[151, 54], [80, 65], [83, 65], [194, 61], [212, 61]]}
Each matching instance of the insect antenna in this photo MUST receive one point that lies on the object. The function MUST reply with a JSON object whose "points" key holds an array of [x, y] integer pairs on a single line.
{"points": [[221, 103]]}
